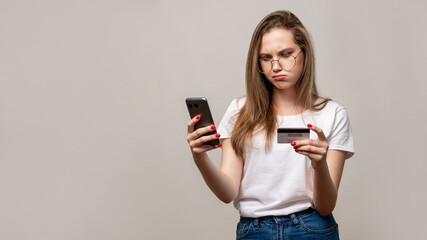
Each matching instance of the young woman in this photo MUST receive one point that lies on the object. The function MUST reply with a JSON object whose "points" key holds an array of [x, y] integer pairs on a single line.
{"points": [[282, 191]]}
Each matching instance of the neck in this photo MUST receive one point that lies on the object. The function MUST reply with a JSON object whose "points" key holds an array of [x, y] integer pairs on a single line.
{"points": [[285, 102]]}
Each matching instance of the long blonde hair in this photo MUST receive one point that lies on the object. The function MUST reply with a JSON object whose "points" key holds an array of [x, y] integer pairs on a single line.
{"points": [[258, 112]]}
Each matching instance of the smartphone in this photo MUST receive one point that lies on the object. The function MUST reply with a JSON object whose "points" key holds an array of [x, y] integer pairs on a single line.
{"points": [[199, 106]]}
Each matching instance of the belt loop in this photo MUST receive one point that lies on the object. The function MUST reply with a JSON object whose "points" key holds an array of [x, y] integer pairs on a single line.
{"points": [[295, 220], [255, 222]]}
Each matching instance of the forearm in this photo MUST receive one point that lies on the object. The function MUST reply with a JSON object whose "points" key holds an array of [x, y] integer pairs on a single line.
{"points": [[325, 193], [328, 166], [219, 183]]}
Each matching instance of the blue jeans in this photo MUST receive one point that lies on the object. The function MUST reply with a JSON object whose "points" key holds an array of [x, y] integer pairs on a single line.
{"points": [[307, 224]]}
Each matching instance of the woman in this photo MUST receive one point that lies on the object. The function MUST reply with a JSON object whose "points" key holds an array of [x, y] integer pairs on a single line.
{"points": [[282, 191]]}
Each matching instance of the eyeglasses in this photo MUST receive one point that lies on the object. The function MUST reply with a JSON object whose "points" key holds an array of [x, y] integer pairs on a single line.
{"points": [[286, 61]]}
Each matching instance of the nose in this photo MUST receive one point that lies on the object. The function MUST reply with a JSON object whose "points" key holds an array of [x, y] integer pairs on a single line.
{"points": [[275, 65]]}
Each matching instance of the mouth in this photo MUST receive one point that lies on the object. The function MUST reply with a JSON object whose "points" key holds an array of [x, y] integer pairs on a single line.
{"points": [[280, 77]]}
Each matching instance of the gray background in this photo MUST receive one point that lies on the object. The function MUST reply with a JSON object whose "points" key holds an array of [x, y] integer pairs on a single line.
{"points": [[93, 121]]}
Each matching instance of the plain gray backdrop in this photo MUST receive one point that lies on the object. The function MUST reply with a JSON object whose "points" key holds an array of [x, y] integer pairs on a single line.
{"points": [[93, 120]]}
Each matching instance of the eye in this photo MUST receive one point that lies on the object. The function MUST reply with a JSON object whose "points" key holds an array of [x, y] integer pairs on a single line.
{"points": [[285, 55], [265, 58]]}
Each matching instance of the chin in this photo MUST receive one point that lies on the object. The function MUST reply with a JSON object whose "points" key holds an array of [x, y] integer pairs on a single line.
{"points": [[283, 86]]}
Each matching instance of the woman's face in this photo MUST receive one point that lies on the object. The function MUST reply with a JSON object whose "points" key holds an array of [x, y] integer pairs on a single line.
{"points": [[279, 43]]}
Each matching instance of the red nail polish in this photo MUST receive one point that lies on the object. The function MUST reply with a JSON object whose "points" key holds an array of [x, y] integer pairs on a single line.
{"points": [[295, 147], [220, 145], [213, 127], [309, 125], [198, 117], [293, 143], [217, 135]]}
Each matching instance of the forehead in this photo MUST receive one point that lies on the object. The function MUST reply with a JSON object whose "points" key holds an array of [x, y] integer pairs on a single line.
{"points": [[277, 39]]}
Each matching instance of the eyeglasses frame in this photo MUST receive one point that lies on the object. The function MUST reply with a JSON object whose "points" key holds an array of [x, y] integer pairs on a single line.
{"points": [[278, 61]]}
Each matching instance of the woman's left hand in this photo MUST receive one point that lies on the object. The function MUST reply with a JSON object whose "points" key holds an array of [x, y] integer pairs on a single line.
{"points": [[316, 150]]}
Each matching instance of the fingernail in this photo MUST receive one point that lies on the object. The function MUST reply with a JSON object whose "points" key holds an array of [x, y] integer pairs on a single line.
{"points": [[213, 127], [217, 135], [198, 117], [293, 143], [295, 147], [220, 145], [309, 125]]}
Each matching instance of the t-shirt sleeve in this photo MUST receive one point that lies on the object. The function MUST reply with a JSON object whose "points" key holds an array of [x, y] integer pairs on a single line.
{"points": [[341, 137], [227, 122]]}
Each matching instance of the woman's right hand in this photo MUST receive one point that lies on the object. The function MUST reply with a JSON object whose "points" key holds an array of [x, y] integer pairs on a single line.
{"points": [[194, 139]]}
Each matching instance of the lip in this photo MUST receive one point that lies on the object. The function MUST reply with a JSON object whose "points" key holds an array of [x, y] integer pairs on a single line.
{"points": [[280, 77]]}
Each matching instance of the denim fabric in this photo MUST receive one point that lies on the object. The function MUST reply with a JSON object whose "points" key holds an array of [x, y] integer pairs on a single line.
{"points": [[307, 224]]}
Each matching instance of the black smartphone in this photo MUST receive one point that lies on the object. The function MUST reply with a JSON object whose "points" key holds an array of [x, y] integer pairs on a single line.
{"points": [[199, 106]]}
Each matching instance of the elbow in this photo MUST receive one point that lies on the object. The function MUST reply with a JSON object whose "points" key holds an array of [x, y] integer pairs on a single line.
{"points": [[324, 213], [325, 210], [228, 198], [227, 201]]}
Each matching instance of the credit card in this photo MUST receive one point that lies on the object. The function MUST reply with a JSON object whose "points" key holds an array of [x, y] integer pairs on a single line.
{"points": [[288, 135]]}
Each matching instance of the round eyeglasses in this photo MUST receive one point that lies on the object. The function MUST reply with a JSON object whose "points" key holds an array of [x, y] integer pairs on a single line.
{"points": [[286, 61]]}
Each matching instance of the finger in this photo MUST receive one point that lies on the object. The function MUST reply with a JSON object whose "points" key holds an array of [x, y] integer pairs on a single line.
{"points": [[201, 140], [318, 131], [191, 123], [201, 131], [309, 142], [203, 148], [311, 156], [302, 152], [312, 149]]}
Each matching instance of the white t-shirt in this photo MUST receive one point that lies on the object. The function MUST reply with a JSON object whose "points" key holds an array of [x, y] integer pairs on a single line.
{"points": [[280, 181]]}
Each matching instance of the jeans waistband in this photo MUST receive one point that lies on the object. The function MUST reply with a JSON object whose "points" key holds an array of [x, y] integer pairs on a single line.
{"points": [[280, 218]]}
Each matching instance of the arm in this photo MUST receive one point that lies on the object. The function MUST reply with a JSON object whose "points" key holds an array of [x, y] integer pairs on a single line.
{"points": [[328, 166], [327, 179], [224, 181]]}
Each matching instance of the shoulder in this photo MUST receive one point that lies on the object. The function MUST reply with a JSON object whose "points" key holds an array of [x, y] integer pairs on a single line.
{"points": [[332, 112], [237, 104], [335, 123], [331, 107], [228, 120]]}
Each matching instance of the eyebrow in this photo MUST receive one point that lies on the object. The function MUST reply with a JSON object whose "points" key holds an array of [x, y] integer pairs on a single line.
{"points": [[283, 50]]}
